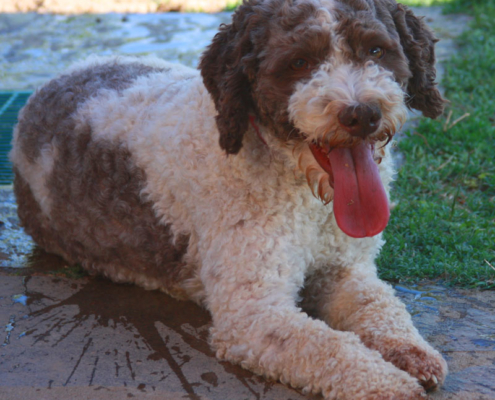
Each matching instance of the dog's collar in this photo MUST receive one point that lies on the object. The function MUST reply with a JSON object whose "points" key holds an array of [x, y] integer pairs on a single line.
{"points": [[257, 129]]}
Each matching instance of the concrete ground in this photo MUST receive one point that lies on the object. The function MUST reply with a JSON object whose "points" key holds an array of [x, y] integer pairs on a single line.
{"points": [[87, 338]]}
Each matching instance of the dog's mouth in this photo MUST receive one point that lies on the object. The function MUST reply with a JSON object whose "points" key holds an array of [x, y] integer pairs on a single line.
{"points": [[360, 203]]}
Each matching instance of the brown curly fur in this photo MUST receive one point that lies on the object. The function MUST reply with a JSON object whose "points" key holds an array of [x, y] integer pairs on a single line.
{"points": [[418, 42], [245, 71]]}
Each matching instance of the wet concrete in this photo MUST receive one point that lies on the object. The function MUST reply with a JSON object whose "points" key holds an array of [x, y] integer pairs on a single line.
{"points": [[96, 334], [91, 338]]}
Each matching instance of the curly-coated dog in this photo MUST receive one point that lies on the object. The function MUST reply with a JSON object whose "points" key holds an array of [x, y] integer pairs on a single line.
{"points": [[118, 168]]}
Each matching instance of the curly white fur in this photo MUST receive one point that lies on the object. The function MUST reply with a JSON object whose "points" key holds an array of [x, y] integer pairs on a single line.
{"points": [[257, 235]]}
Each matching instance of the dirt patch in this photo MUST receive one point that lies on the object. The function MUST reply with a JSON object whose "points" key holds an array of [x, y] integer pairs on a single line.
{"points": [[120, 6]]}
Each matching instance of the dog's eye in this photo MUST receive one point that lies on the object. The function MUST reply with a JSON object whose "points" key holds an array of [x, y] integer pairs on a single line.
{"points": [[299, 65], [377, 52]]}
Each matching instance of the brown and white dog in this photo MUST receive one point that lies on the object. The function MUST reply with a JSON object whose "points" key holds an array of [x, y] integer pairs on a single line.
{"points": [[118, 168]]}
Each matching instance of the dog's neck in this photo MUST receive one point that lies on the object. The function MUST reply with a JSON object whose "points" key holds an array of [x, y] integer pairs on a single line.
{"points": [[263, 156]]}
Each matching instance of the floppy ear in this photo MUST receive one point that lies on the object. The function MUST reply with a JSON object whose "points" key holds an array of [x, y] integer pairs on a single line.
{"points": [[227, 67], [418, 43]]}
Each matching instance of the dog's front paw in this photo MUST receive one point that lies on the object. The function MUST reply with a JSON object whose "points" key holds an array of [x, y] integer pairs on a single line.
{"points": [[381, 382], [399, 389], [420, 361]]}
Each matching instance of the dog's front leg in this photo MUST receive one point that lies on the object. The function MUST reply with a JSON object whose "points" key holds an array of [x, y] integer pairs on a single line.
{"points": [[251, 287], [354, 299]]}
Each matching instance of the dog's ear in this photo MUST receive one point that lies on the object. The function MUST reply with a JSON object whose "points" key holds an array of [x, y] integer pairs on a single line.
{"points": [[227, 67], [418, 43]]}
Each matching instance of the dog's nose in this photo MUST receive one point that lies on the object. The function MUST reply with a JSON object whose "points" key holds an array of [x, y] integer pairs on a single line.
{"points": [[360, 120]]}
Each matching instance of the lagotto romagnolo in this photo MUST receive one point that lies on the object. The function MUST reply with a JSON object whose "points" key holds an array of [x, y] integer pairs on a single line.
{"points": [[256, 186]]}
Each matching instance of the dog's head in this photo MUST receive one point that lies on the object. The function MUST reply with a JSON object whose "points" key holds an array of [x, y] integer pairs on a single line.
{"points": [[330, 78]]}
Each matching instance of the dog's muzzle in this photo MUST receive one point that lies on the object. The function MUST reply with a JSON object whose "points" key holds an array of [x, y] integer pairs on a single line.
{"points": [[360, 120]]}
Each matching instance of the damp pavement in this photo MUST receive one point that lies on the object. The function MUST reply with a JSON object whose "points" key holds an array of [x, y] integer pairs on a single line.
{"points": [[69, 337]]}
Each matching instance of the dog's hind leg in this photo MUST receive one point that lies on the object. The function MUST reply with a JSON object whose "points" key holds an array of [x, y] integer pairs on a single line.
{"points": [[356, 300], [251, 291]]}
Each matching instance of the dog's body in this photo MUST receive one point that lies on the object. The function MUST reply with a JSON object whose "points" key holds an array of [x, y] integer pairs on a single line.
{"points": [[117, 167]]}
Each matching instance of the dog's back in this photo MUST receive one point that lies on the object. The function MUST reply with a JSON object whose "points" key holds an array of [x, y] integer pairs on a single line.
{"points": [[80, 195]]}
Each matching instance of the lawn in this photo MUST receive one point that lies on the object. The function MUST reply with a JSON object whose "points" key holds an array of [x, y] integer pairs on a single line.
{"points": [[444, 223]]}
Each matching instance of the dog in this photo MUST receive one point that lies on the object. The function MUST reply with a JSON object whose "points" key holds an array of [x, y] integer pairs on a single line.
{"points": [[257, 186]]}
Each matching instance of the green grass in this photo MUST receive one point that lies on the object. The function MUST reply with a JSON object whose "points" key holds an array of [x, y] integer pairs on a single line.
{"points": [[451, 6], [444, 223], [232, 5], [424, 3]]}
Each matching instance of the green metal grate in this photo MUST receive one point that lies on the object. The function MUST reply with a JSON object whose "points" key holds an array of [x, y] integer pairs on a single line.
{"points": [[10, 104]]}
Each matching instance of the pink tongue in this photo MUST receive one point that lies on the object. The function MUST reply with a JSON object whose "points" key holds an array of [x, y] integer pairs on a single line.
{"points": [[360, 203]]}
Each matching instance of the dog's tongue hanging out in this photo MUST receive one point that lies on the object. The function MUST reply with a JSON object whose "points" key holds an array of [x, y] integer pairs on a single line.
{"points": [[360, 203]]}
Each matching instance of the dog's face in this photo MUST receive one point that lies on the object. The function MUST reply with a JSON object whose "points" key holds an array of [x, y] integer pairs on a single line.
{"points": [[329, 79]]}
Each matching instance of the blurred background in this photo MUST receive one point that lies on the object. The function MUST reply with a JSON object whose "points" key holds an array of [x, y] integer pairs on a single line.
{"points": [[40, 38], [127, 6]]}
